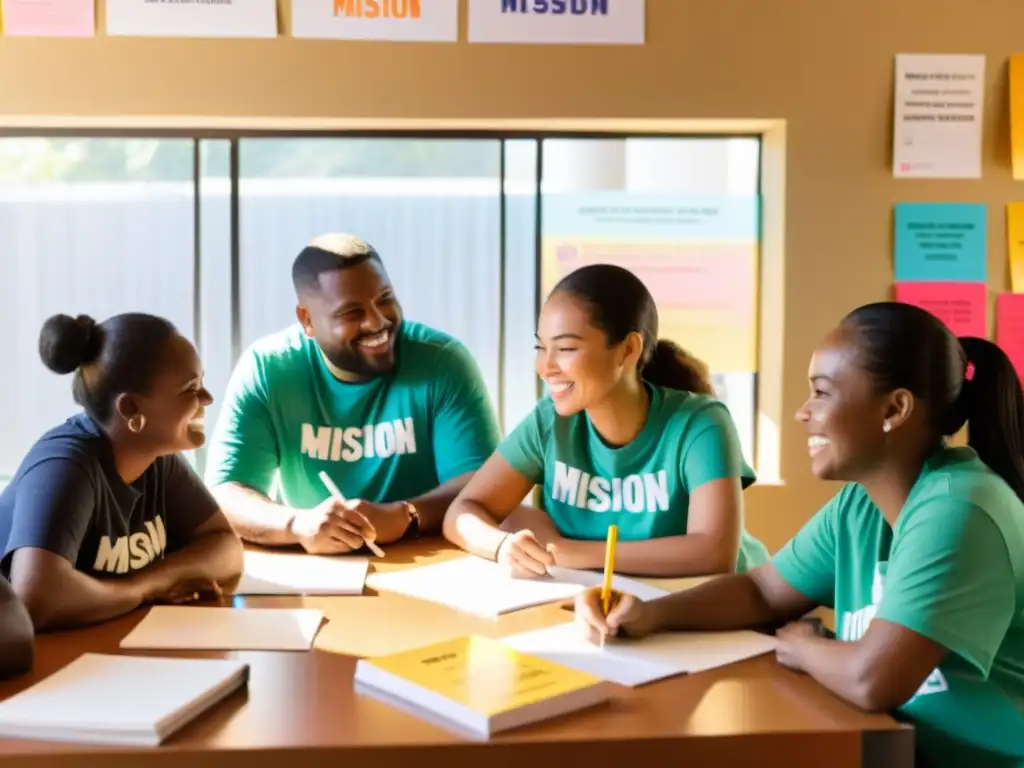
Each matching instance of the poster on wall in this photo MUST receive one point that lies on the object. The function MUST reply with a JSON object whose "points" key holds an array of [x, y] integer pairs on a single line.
{"points": [[938, 116], [174, 18], [961, 306], [698, 256], [1010, 328], [422, 21], [566, 22], [48, 18], [941, 242]]}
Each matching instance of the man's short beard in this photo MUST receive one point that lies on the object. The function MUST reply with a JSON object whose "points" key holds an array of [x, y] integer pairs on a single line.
{"points": [[351, 362]]}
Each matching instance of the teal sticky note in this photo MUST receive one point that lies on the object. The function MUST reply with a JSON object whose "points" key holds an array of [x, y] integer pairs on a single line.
{"points": [[940, 243]]}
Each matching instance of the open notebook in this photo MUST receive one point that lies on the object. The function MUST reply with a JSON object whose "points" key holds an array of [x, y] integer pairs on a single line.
{"points": [[481, 587], [636, 662], [120, 699]]}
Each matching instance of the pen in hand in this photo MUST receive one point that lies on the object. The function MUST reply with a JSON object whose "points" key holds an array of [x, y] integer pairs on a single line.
{"points": [[333, 490]]}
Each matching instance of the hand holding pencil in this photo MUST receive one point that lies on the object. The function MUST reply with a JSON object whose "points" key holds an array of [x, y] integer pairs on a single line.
{"points": [[606, 612]]}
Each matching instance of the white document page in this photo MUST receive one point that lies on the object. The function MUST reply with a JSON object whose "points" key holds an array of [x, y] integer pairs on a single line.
{"points": [[481, 587], [637, 589], [224, 18], [636, 662], [938, 116], [273, 573], [182, 627], [474, 585], [119, 699]]}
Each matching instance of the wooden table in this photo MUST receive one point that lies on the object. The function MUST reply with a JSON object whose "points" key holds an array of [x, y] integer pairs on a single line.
{"points": [[300, 708]]}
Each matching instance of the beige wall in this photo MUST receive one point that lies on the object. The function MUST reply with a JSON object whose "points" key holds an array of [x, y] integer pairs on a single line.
{"points": [[825, 68]]}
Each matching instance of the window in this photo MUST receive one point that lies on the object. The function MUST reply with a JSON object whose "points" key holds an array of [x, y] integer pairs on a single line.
{"points": [[107, 225], [87, 226], [430, 207], [682, 262]]}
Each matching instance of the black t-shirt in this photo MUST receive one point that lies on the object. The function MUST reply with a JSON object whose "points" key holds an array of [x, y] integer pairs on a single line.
{"points": [[68, 498]]}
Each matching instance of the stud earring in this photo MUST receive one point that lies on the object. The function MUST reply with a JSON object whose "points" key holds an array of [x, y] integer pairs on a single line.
{"points": [[137, 423], [886, 426]]}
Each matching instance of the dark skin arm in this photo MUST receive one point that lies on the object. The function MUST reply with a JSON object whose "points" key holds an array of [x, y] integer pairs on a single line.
{"points": [[431, 507], [880, 671], [17, 638], [258, 519], [58, 596], [877, 673]]}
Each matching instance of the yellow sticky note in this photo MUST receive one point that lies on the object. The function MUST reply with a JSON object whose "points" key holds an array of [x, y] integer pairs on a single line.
{"points": [[1015, 245], [1017, 114]]}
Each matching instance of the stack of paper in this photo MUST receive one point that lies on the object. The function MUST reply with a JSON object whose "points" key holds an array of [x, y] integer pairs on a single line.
{"points": [[120, 699], [195, 628], [480, 586], [478, 685], [636, 662], [274, 573]]}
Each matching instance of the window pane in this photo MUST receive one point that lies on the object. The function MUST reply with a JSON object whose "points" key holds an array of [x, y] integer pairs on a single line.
{"points": [[429, 206], [87, 226], [672, 175], [215, 314]]}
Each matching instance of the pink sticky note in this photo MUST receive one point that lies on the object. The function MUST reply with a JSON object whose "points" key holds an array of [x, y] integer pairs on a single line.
{"points": [[1010, 328], [49, 18], [961, 306]]}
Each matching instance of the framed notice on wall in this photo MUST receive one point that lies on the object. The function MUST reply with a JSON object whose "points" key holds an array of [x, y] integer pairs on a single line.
{"points": [[400, 20], [167, 18], [566, 22]]}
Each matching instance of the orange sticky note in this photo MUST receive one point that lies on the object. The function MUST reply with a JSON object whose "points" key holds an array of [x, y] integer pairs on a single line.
{"points": [[1010, 328], [961, 306], [1017, 115]]}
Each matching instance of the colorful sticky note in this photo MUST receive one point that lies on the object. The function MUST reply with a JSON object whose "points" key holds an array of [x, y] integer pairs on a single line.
{"points": [[1015, 245], [961, 306], [940, 242], [1017, 115], [49, 18], [1010, 328]]}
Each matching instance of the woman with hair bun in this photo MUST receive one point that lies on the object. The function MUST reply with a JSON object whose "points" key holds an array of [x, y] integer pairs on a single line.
{"points": [[921, 553], [104, 514], [630, 434]]}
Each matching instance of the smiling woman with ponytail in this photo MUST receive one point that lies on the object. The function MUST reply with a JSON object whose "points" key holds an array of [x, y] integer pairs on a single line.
{"points": [[631, 434], [921, 554]]}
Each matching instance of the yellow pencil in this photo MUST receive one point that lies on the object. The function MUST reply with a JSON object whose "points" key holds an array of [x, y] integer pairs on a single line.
{"points": [[333, 490], [609, 568]]}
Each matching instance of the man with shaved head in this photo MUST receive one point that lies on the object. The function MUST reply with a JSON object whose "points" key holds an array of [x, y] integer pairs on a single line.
{"points": [[394, 412]]}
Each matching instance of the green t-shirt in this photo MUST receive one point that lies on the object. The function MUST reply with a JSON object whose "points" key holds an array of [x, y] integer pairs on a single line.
{"points": [[951, 570], [391, 438], [644, 487]]}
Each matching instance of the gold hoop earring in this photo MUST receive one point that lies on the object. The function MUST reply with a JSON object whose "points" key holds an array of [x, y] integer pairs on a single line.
{"points": [[137, 423]]}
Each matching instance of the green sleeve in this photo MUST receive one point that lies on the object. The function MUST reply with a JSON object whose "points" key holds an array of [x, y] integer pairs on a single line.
{"points": [[523, 449], [244, 447], [808, 561], [465, 429], [712, 449], [950, 579]]}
